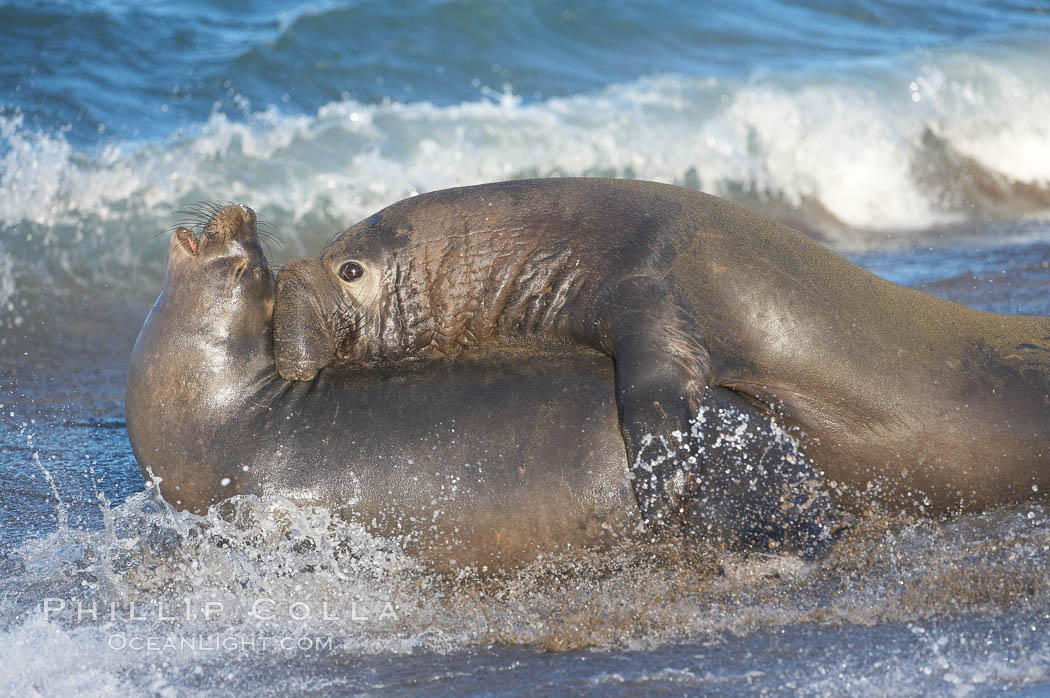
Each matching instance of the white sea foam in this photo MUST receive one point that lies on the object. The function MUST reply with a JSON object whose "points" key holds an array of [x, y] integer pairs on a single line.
{"points": [[997, 113]]}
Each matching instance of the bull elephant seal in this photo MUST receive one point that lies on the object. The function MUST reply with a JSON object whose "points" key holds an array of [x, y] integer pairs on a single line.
{"points": [[489, 460], [689, 293]]}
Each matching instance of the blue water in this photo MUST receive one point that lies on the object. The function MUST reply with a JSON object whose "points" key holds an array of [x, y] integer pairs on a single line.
{"points": [[911, 136], [143, 70]]}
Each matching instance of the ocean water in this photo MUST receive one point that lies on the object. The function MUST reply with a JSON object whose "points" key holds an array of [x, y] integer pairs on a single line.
{"points": [[912, 137]]}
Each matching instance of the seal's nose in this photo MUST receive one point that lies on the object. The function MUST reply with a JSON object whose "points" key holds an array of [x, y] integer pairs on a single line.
{"points": [[232, 222], [230, 231]]}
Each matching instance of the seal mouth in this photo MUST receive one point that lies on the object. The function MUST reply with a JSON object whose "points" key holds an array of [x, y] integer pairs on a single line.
{"points": [[187, 240]]}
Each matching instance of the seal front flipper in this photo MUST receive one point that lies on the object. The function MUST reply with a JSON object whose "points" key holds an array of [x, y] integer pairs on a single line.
{"points": [[703, 458], [662, 374]]}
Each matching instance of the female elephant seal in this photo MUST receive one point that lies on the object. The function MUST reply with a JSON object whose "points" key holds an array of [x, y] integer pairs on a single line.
{"points": [[488, 460], [689, 293]]}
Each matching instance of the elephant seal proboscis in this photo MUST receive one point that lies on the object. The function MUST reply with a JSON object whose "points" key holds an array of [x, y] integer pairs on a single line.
{"points": [[690, 294]]}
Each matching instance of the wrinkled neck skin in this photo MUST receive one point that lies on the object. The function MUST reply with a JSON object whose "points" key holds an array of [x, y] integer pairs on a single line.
{"points": [[514, 290], [471, 277]]}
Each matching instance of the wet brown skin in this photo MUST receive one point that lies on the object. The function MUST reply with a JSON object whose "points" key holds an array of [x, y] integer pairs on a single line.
{"points": [[688, 293], [489, 460]]}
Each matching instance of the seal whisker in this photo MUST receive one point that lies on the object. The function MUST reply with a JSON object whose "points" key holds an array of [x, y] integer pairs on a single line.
{"points": [[202, 208], [272, 237], [198, 214], [167, 230], [268, 237], [265, 225], [272, 240], [209, 209], [193, 210], [349, 322], [191, 221]]}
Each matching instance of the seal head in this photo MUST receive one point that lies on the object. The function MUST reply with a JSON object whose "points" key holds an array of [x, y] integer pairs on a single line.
{"points": [[203, 351], [326, 310]]}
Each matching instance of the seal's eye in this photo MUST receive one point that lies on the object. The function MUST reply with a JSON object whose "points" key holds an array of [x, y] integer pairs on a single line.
{"points": [[351, 271]]}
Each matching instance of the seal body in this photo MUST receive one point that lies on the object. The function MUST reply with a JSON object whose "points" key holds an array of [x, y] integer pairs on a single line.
{"points": [[689, 294], [489, 460]]}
